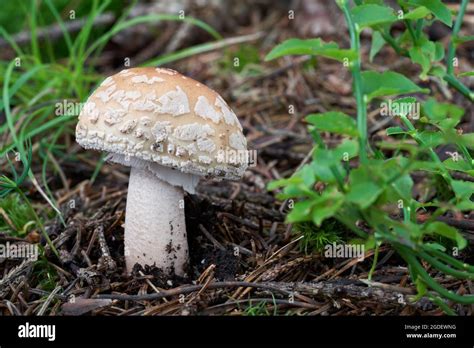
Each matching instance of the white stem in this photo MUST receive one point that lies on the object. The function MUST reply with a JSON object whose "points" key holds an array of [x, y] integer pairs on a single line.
{"points": [[155, 230]]}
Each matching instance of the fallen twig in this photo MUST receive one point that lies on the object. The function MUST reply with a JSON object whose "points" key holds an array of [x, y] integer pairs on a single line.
{"points": [[329, 289]]}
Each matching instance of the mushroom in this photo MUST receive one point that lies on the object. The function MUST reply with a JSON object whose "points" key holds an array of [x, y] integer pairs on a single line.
{"points": [[171, 130]]}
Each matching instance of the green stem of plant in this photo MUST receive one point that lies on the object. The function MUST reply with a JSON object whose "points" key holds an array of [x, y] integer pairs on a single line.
{"points": [[374, 262], [456, 28], [406, 214], [419, 28], [441, 304], [449, 259], [38, 221], [97, 168], [467, 155], [317, 138], [459, 86], [433, 155], [430, 282], [450, 78], [357, 77], [411, 31], [446, 269], [391, 41], [338, 176]]}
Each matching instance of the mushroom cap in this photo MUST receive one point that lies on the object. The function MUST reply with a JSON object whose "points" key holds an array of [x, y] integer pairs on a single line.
{"points": [[161, 116]]}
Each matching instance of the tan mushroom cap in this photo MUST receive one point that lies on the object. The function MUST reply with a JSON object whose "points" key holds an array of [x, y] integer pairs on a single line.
{"points": [[161, 116]]}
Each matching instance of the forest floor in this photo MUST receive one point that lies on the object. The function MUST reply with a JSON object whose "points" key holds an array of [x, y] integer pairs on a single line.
{"points": [[244, 259]]}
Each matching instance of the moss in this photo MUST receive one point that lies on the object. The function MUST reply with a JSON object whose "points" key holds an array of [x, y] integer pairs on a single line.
{"points": [[315, 238]]}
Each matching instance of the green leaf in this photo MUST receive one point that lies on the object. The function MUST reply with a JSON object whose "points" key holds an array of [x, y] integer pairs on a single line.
{"points": [[468, 140], [376, 84], [405, 100], [419, 57], [459, 165], [334, 122], [417, 13], [431, 167], [465, 205], [392, 174], [444, 115], [312, 47], [425, 54], [296, 191], [431, 138], [325, 161], [463, 189], [307, 174], [451, 136], [376, 2], [439, 52], [403, 185], [372, 15], [283, 182], [438, 71], [347, 149], [322, 162], [462, 39], [395, 130], [467, 73], [439, 10], [441, 229], [364, 190], [300, 212], [364, 194], [326, 206], [377, 43], [448, 136]]}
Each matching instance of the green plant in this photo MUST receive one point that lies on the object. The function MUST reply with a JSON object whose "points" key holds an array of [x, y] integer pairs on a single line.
{"points": [[45, 273], [43, 74], [260, 308], [18, 219], [9, 186], [245, 60], [315, 238], [372, 182]]}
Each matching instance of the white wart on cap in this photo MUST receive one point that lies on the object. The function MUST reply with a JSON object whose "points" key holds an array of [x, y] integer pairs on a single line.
{"points": [[161, 116], [171, 130]]}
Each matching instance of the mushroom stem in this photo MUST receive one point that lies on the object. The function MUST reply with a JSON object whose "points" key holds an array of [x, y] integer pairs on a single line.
{"points": [[155, 229]]}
